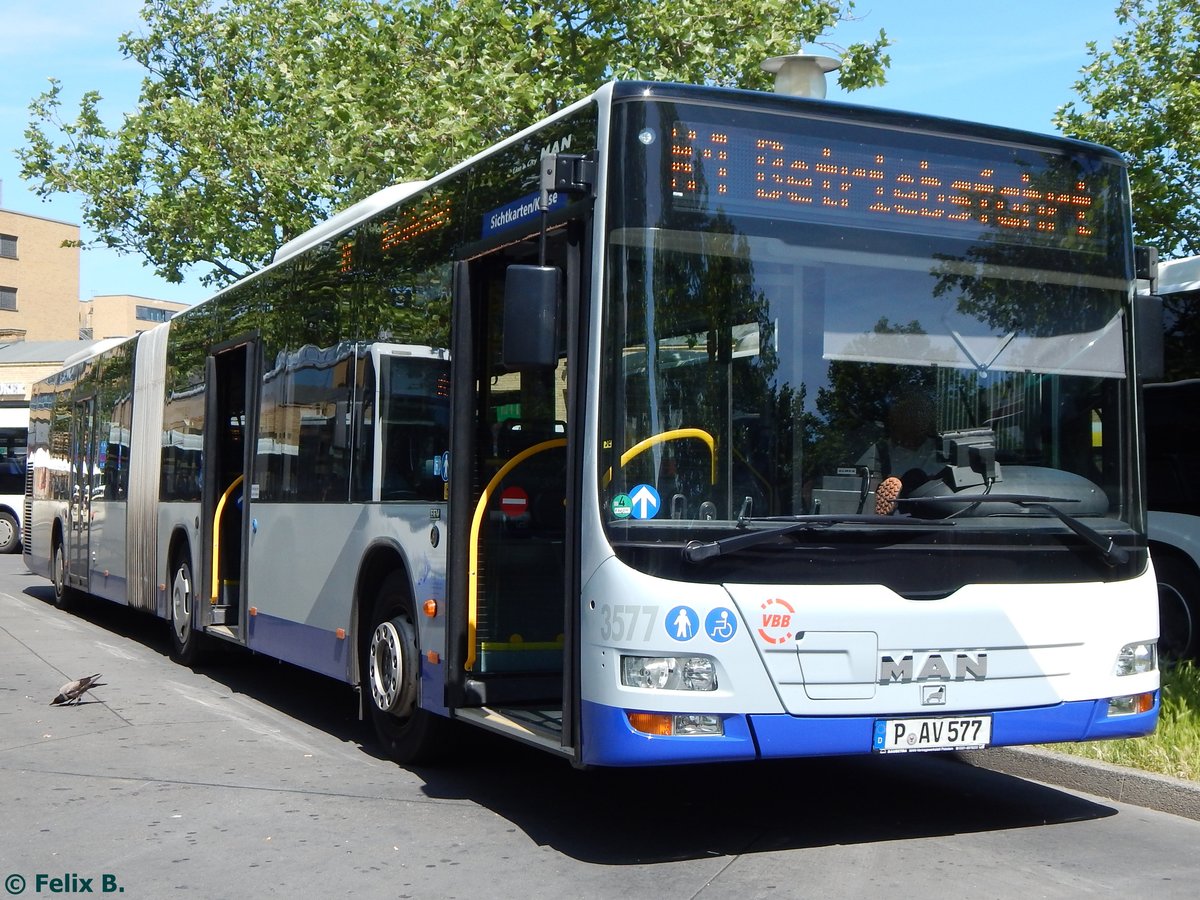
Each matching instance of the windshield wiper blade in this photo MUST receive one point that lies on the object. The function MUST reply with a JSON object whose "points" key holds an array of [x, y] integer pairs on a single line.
{"points": [[1113, 553], [698, 551]]}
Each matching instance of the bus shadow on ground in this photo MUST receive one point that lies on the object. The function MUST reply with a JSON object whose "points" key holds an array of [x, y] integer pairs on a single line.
{"points": [[323, 703], [635, 816], [655, 814]]}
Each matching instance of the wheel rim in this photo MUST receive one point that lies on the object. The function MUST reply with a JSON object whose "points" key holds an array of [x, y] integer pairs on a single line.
{"points": [[181, 604], [60, 571], [8, 534], [392, 667]]}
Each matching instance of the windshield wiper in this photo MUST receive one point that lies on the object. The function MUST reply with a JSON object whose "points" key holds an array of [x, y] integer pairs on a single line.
{"points": [[1113, 553], [699, 551]]}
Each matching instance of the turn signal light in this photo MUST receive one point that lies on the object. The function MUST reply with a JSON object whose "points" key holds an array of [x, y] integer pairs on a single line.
{"points": [[1131, 705], [651, 723], [676, 724]]}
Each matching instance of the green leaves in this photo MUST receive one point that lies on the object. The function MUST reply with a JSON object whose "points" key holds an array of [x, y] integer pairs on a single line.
{"points": [[257, 118], [1142, 97]]}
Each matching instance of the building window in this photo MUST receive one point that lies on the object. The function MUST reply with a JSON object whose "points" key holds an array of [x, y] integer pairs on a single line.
{"points": [[150, 314], [8, 245], [8, 298]]}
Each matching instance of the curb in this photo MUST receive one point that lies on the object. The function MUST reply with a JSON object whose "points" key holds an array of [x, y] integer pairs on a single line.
{"points": [[1088, 776]]}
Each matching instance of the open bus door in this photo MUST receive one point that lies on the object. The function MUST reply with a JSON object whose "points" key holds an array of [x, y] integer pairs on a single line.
{"points": [[514, 579], [233, 377], [84, 480]]}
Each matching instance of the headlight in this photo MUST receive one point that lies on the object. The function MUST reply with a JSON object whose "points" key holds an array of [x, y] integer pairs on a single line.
{"points": [[1134, 659], [669, 673]]}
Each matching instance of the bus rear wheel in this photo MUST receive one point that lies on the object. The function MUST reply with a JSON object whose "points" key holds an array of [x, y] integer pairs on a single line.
{"points": [[391, 678], [185, 640], [63, 594]]}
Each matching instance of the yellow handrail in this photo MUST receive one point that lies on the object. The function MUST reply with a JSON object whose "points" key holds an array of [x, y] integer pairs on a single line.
{"points": [[476, 523], [673, 435], [216, 552]]}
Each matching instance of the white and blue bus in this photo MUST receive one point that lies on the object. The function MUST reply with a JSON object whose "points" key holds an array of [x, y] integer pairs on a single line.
{"points": [[14, 424], [592, 441]]}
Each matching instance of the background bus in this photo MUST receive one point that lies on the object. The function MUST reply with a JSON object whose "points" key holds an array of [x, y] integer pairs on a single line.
{"points": [[567, 443], [1173, 459], [14, 426]]}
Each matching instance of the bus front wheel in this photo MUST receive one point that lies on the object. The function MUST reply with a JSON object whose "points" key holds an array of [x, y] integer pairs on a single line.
{"points": [[391, 678]]}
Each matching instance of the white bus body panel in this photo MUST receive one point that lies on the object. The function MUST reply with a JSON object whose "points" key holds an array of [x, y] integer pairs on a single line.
{"points": [[106, 568], [305, 561], [831, 657]]}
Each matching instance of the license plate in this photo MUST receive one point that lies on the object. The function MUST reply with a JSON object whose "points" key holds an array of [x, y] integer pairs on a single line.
{"points": [[949, 733]]}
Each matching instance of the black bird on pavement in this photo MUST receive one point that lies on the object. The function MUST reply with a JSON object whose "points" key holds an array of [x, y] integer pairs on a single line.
{"points": [[73, 691]]}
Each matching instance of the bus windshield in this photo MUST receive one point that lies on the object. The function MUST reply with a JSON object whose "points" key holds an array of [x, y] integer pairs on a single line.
{"points": [[800, 310]]}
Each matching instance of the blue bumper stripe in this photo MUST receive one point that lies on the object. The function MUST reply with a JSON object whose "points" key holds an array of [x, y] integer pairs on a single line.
{"points": [[608, 739]]}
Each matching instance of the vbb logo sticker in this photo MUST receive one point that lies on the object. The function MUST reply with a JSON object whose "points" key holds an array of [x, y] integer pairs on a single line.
{"points": [[776, 625]]}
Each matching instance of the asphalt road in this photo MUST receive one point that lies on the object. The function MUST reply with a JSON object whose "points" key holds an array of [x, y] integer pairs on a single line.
{"points": [[254, 779]]}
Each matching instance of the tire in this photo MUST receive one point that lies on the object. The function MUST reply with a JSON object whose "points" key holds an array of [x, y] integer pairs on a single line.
{"points": [[10, 533], [1178, 609], [64, 595], [186, 642], [391, 678]]}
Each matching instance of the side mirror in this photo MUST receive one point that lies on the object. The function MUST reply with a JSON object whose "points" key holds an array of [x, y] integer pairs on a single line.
{"points": [[530, 339], [1148, 337]]}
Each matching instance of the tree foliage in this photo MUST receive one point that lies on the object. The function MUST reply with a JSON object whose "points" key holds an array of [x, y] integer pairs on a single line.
{"points": [[1142, 97], [257, 118]]}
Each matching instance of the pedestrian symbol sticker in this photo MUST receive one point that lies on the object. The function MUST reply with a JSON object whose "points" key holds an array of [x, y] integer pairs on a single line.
{"points": [[644, 501], [682, 623], [622, 506], [720, 625]]}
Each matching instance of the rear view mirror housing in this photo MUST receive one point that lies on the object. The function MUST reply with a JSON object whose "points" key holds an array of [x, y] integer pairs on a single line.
{"points": [[531, 303]]}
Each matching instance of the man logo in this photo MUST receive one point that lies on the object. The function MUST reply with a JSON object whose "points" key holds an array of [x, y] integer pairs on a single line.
{"points": [[933, 667]]}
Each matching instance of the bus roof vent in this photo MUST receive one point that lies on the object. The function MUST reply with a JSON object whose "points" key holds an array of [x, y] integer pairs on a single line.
{"points": [[801, 74]]}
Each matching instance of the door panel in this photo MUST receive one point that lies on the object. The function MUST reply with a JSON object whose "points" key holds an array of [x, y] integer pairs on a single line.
{"points": [[233, 382], [519, 437], [85, 478]]}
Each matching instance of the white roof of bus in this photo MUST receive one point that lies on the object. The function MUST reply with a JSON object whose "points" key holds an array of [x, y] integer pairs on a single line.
{"points": [[347, 218], [1178, 275]]}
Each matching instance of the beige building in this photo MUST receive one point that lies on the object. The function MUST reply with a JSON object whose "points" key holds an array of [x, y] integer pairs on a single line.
{"points": [[39, 279], [122, 315], [42, 320]]}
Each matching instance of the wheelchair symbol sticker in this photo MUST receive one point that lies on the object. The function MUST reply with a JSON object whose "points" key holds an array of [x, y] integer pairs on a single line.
{"points": [[720, 625]]}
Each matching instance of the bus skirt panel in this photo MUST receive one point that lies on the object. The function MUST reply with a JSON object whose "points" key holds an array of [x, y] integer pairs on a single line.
{"points": [[610, 740]]}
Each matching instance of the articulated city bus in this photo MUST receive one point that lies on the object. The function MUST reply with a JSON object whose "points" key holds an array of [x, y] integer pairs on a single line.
{"points": [[691, 424]]}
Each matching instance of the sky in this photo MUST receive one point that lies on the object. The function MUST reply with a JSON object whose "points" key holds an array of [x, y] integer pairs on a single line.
{"points": [[1011, 63]]}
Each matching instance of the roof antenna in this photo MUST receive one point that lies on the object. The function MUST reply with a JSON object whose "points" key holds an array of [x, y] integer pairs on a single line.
{"points": [[801, 74]]}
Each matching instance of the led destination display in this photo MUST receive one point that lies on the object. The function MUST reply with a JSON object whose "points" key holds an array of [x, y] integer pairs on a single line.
{"points": [[947, 187]]}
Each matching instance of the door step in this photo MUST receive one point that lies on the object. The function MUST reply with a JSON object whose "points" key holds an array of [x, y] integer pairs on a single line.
{"points": [[539, 727]]}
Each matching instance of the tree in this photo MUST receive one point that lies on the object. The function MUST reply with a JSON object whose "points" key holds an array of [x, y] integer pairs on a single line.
{"points": [[257, 118], [1142, 97]]}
